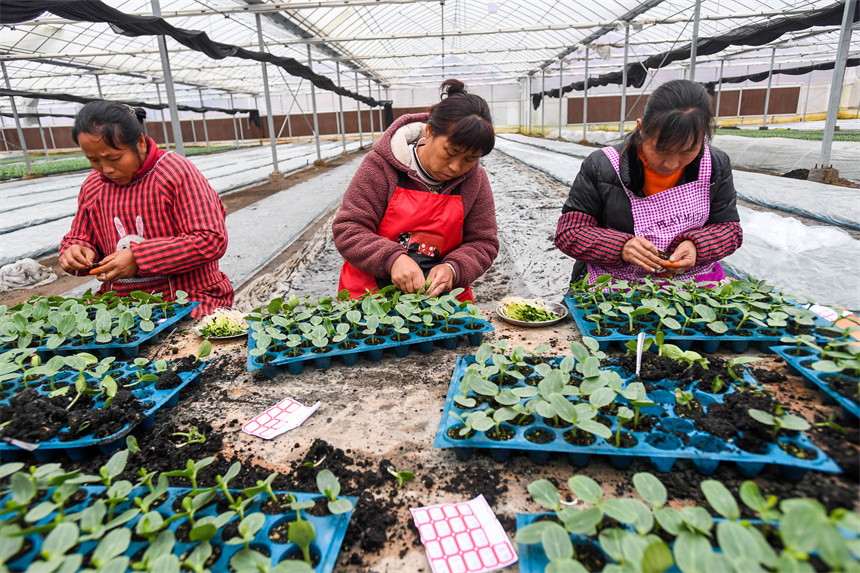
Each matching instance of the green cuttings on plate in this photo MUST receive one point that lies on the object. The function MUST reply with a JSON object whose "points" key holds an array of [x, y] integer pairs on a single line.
{"points": [[526, 310], [223, 322]]}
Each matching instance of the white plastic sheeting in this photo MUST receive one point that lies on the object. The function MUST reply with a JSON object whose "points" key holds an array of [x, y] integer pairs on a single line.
{"points": [[818, 263], [782, 154]]}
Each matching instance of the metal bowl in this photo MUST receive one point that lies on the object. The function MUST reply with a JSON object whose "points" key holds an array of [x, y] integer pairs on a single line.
{"points": [[559, 309]]}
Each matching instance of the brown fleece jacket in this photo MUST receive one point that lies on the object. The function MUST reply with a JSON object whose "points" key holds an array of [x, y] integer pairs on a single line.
{"points": [[372, 187]]}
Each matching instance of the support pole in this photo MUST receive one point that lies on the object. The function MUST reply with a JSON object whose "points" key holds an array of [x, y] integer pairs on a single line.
{"points": [[806, 99], [235, 129], [381, 119], [694, 44], [560, 93], [99, 86], [51, 133], [42, 134], [163, 121], [17, 121], [529, 103], [719, 93], [168, 85], [358, 113], [585, 100], [342, 118], [273, 141], [193, 130], [624, 82], [836, 82], [370, 93], [767, 93], [542, 102], [205, 128], [314, 104]]}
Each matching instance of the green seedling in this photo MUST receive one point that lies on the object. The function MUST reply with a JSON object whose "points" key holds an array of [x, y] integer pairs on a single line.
{"points": [[329, 486], [684, 399], [204, 350], [263, 486], [248, 528], [624, 415], [401, 476], [193, 436], [190, 472], [831, 423], [777, 422]]}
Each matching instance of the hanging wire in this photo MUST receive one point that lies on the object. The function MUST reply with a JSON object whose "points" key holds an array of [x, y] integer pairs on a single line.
{"points": [[651, 77]]}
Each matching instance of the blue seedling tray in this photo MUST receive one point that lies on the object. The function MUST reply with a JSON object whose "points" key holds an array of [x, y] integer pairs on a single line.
{"points": [[82, 447], [761, 337], [533, 558], [425, 344], [661, 447], [127, 349], [330, 530], [816, 379]]}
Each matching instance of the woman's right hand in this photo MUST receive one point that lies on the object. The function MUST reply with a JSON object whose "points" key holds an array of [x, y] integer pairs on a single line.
{"points": [[407, 275], [77, 258], [642, 253]]}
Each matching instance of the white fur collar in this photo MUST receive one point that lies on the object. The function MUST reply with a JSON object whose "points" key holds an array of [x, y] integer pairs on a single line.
{"points": [[402, 138]]}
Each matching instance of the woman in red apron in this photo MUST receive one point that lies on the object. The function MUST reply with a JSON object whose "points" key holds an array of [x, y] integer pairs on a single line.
{"points": [[420, 206], [660, 203], [147, 219]]}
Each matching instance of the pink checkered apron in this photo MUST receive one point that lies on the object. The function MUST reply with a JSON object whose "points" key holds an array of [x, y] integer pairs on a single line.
{"points": [[662, 217]]}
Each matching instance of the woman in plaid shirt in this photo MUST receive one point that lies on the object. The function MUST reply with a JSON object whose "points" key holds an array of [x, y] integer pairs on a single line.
{"points": [[147, 219]]}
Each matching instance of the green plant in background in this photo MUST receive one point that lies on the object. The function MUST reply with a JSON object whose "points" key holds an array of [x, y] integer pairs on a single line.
{"points": [[779, 421], [329, 486]]}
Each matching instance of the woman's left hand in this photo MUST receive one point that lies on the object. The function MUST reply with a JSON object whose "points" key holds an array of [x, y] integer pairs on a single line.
{"points": [[684, 258], [119, 265], [441, 280]]}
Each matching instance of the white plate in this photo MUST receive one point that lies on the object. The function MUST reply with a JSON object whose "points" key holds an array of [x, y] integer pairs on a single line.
{"points": [[559, 309], [231, 337]]}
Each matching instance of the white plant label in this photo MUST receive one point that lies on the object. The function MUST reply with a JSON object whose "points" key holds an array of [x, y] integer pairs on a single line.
{"points": [[463, 537], [282, 417], [640, 343]]}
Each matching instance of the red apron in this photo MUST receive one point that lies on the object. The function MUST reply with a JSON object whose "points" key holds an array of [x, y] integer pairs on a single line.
{"points": [[429, 226]]}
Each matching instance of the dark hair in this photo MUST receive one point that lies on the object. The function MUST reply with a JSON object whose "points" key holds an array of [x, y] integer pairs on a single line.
{"points": [[117, 124], [679, 114], [464, 118]]}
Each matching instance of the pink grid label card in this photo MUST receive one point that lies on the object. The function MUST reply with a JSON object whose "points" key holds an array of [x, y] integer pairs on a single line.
{"points": [[282, 417], [463, 537]]}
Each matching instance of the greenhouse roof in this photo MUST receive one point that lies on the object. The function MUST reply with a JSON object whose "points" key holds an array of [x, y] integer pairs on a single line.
{"points": [[394, 43]]}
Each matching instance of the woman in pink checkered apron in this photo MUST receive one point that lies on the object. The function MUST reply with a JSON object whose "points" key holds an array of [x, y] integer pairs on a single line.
{"points": [[660, 203]]}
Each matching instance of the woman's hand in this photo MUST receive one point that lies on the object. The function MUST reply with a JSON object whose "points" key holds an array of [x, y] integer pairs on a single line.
{"points": [[407, 275], [642, 253], [119, 265], [683, 258], [77, 258], [441, 280]]}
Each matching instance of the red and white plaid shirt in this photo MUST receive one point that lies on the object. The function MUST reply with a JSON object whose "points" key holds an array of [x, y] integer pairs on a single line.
{"points": [[175, 222]]}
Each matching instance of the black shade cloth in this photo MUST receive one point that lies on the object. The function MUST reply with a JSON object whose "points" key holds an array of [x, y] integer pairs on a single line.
{"points": [[752, 35], [798, 71], [16, 11], [253, 114]]}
